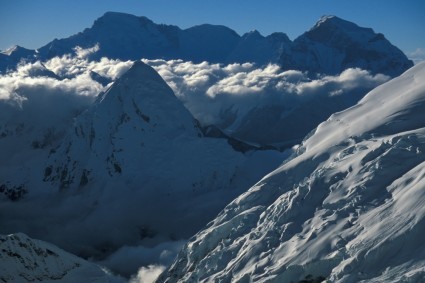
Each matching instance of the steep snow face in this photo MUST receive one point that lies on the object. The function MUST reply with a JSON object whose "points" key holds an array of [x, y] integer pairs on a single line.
{"points": [[139, 111], [23, 259], [334, 45], [348, 207], [133, 161]]}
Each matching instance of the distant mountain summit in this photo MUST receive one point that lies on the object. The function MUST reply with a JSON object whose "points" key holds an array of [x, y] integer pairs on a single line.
{"points": [[129, 37], [334, 44], [11, 57], [330, 47]]}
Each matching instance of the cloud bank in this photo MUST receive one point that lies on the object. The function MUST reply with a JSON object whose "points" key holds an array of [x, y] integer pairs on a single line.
{"points": [[213, 93], [225, 95], [417, 56]]}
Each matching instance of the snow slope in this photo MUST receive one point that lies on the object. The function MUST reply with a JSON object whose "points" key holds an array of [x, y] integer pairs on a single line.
{"points": [[23, 259], [348, 207], [133, 169]]}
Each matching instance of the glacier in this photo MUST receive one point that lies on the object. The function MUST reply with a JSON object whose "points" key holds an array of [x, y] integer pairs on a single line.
{"points": [[347, 207]]}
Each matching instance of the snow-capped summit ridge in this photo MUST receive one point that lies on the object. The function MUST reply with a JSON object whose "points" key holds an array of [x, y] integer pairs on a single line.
{"points": [[323, 19], [332, 20], [12, 49], [330, 46]]}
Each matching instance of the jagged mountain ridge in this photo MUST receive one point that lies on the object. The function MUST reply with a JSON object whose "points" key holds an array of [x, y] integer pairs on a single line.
{"points": [[330, 47], [129, 37], [346, 208]]}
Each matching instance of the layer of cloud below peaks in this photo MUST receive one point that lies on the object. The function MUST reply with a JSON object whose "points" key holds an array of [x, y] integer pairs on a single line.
{"points": [[209, 89], [215, 94]]}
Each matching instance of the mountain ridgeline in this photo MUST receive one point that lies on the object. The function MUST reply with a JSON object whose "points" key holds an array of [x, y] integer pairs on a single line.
{"points": [[330, 47]]}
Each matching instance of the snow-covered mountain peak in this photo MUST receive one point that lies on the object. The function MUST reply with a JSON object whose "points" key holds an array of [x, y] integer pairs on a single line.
{"points": [[332, 28], [330, 47], [138, 111], [12, 49], [328, 20], [334, 44], [137, 148], [10, 58], [142, 76], [142, 91], [26, 260]]}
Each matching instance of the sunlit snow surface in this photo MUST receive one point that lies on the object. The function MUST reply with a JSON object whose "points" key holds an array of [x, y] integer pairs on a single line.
{"points": [[349, 206]]}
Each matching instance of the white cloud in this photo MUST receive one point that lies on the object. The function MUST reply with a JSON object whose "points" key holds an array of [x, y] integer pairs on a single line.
{"points": [[71, 66], [417, 56], [209, 90], [128, 259], [148, 274], [85, 52]]}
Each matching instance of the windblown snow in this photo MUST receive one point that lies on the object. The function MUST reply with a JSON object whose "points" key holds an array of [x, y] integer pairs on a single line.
{"points": [[348, 207]]}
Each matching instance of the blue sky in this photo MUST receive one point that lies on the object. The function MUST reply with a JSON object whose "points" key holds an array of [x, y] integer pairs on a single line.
{"points": [[32, 24]]}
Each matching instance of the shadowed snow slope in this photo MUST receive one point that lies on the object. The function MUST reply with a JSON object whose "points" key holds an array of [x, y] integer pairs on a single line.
{"points": [[348, 207], [133, 169], [23, 259]]}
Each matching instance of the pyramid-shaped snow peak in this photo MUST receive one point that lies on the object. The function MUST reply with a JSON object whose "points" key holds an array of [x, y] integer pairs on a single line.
{"points": [[139, 111], [139, 150], [143, 96]]}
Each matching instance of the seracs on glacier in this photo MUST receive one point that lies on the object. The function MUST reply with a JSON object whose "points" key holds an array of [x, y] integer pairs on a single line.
{"points": [[348, 207]]}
